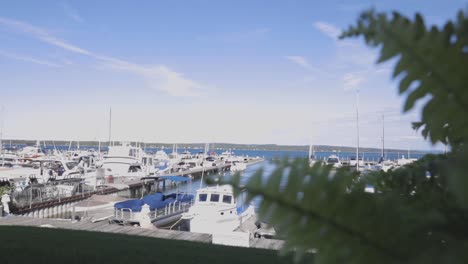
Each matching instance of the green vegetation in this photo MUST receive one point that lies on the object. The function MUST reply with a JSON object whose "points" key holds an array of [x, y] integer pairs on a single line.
{"points": [[419, 213], [45, 245], [4, 190]]}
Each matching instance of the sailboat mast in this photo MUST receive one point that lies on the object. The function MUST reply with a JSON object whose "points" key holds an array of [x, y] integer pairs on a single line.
{"points": [[110, 126], [55, 148], [383, 136], [1, 135], [357, 129], [203, 163]]}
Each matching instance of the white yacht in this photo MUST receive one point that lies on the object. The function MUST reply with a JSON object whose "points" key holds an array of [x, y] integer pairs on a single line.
{"points": [[385, 165], [8, 160], [404, 161], [128, 161], [334, 160], [216, 211], [352, 162], [47, 170], [31, 152]]}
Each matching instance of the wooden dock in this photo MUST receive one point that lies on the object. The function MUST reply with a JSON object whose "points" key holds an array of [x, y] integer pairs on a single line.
{"points": [[198, 171]]}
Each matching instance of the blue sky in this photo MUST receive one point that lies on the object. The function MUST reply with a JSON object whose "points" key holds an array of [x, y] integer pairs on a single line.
{"points": [[200, 71]]}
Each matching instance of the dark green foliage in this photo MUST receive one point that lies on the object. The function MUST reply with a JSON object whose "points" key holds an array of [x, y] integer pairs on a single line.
{"points": [[435, 61], [45, 245], [418, 213], [412, 217], [431, 63]]}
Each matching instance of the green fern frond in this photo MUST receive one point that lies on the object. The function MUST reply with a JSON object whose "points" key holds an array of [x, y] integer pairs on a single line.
{"points": [[435, 59]]}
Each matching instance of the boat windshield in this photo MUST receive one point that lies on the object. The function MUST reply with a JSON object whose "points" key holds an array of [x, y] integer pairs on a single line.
{"points": [[202, 197], [214, 198], [134, 168], [227, 199], [71, 165]]}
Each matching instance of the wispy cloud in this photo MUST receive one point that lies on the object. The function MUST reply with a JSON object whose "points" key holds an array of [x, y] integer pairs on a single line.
{"points": [[328, 29], [158, 77], [301, 61], [72, 12], [41, 34], [27, 59], [353, 63]]}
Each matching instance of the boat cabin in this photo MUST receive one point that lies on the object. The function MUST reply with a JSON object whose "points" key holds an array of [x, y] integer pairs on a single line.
{"points": [[215, 198]]}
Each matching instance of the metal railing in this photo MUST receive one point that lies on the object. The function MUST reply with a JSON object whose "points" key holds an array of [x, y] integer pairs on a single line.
{"points": [[128, 215]]}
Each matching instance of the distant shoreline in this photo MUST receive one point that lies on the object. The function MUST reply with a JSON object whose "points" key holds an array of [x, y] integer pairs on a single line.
{"points": [[222, 146]]}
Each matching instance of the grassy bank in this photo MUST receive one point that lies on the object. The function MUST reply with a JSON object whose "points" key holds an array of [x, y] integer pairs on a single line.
{"points": [[44, 245]]}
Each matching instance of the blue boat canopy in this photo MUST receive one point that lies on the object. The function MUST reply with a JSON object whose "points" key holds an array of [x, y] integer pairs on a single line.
{"points": [[154, 201]]}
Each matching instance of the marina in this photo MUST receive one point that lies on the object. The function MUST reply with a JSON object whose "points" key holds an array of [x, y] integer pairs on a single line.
{"points": [[129, 190], [124, 188], [232, 132]]}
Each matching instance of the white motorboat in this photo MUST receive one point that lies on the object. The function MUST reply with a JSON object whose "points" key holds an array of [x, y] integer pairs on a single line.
{"points": [[31, 152], [216, 211], [8, 160], [128, 161], [384, 165], [404, 161], [334, 160]]}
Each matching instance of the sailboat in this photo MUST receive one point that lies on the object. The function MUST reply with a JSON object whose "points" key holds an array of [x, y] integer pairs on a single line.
{"points": [[312, 158], [383, 164]]}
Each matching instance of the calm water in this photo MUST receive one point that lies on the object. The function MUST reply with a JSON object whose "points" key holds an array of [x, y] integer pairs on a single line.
{"points": [[266, 165], [268, 154]]}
